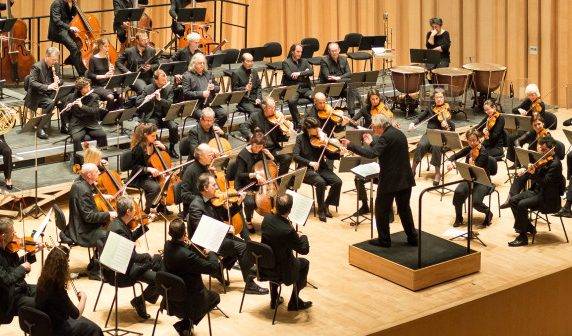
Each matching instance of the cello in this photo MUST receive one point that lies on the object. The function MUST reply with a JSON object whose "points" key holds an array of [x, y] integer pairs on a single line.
{"points": [[265, 195], [161, 161], [89, 32], [16, 58]]}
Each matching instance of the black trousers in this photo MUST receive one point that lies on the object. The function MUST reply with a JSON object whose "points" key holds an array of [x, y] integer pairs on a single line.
{"points": [[139, 85], [47, 105], [518, 185], [80, 134], [151, 187], [304, 267], [569, 191], [6, 153], [220, 115], [113, 99], [510, 152], [208, 302], [249, 107], [293, 105], [154, 264], [569, 165], [23, 297], [351, 96], [383, 210], [462, 193], [495, 152], [79, 327], [177, 28], [424, 147], [520, 204], [321, 179], [233, 249], [249, 205], [75, 54], [283, 161]]}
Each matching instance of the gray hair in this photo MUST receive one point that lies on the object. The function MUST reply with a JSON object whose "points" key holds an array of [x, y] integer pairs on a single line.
{"points": [[208, 112], [532, 88], [320, 96], [196, 58], [52, 51], [268, 101], [194, 37], [246, 56], [124, 204], [333, 46], [202, 149], [87, 168], [381, 121]]}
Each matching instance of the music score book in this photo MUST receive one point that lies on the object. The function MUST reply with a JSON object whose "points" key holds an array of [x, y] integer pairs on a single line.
{"points": [[301, 207], [117, 252], [210, 233], [42, 227], [366, 170]]}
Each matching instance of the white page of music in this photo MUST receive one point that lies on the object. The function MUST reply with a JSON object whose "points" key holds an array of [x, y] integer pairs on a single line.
{"points": [[301, 207], [210, 233], [117, 252]]}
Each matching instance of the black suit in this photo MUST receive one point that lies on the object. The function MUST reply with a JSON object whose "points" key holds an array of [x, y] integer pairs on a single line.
{"points": [[37, 92], [85, 226], [154, 111], [197, 136], [144, 180], [189, 188], [188, 264], [290, 66], [239, 79], [14, 291], [84, 122], [142, 266], [273, 139], [280, 235], [61, 14], [424, 147], [395, 180], [193, 86], [232, 248], [131, 60], [303, 154], [341, 68], [548, 184]]}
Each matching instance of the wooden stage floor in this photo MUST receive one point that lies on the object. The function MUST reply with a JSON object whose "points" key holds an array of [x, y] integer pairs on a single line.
{"points": [[350, 301]]}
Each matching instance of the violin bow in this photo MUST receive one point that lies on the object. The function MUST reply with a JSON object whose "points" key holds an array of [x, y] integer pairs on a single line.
{"points": [[326, 145], [120, 191]]}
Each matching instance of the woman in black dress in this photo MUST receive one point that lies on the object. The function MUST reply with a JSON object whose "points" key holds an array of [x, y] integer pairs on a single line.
{"points": [[6, 153], [52, 297], [99, 70], [439, 39]]}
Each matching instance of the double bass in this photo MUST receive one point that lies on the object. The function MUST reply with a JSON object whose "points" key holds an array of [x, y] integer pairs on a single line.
{"points": [[16, 57], [89, 32], [145, 24], [200, 28]]}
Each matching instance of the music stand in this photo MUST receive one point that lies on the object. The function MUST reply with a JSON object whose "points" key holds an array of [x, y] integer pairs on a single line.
{"points": [[282, 94], [63, 91], [6, 25], [174, 68], [343, 47], [191, 14], [121, 80], [517, 122], [373, 41], [228, 98], [32, 125], [568, 134], [446, 140], [347, 163], [364, 77], [425, 56], [215, 60], [472, 174], [526, 156], [129, 14], [356, 135]]}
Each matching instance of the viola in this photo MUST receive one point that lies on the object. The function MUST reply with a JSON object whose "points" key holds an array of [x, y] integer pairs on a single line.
{"points": [[443, 114], [544, 160], [265, 195], [542, 134], [335, 115], [17, 59], [279, 120], [330, 144], [475, 152], [492, 120], [161, 160]]}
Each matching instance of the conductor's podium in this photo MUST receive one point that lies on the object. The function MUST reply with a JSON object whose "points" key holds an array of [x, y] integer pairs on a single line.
{"points": [[442, 260]]}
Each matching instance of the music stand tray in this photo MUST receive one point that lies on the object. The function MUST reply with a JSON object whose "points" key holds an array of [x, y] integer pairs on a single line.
{"points": [[64, 91], [526, 156], [374, 41], [129, 14], [32, 124], [112, 117], [191, 14], [215, 60], [335, 89], [425, 56], [287, 148], [189, 108], [277, 92], [121, 80], [128, 114], [323, 88], [6, 25], [174, 111], [356, 135], [174, 68], [568, 134]]}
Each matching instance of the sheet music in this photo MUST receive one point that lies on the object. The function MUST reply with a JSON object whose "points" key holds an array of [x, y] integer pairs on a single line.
{"points": [[453, 232], [210, 233], [366, 170], [378, 50], [42, 226], [117, 252], [301, 207]]}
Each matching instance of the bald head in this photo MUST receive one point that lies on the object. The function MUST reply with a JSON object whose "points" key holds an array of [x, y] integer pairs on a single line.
{"points": [[204, 154]]}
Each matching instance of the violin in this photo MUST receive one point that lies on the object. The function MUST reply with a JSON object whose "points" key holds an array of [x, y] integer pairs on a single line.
{"points": [[443, 114], [542, 134], [544, 160], [280, 121], [27, 244], [491, 121], [330, 144], [475, 152], [161, 160], [381, 109], [16, 57], [536, 107], [335, 115], [265, 195]]}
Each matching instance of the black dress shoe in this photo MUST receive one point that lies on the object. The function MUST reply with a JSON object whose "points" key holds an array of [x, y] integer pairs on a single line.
{"points": [[488, 219], [380, 243], [412, 241], [139, 304], [183, 327], [273, 302], [300, 306], [361, 211], [253, 288], [9, 186], [322, 215], [41, 134], [458, 222], [328, 213], [561, 213], [531, 229], [505, 205], [64, 129], [521, 240]]}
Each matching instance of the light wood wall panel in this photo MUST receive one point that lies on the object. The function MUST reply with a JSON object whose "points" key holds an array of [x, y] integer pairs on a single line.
{"points": [[498, 31]]}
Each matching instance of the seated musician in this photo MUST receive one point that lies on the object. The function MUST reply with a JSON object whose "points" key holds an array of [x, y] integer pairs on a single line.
{"points": [[280, 235], [439, 118], [59, 30], [154, 103], [120, 28], [531, 137], [139, 58], [244, 78], [327, 123], [245, 174], [336, 69], [198, 83], [548, 184], [565, 211], [205, 131], [275, 135], [143, 144], [53, 300], [84, 116], [493, 130], [438, 39], [185, 261], [319, 173], [185, 54], [6, 153], [475, 154], [373, 106], [204, 156], [41, 86], [15, 293], [297, 71], [99, 70], [142, 266], [86, 221], [232, 248]]}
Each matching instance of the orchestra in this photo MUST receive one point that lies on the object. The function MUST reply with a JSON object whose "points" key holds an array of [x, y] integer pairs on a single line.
{"points": [[236, 174]]}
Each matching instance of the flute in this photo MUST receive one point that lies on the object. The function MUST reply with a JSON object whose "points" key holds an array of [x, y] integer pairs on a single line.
{"points": [[70, 105], [151, 95]]}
